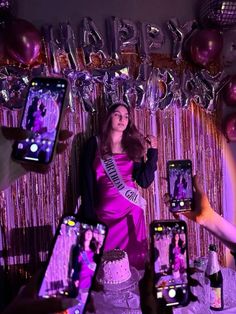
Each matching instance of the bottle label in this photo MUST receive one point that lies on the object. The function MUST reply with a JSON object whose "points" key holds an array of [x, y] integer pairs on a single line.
{"points": [[215, 296]]}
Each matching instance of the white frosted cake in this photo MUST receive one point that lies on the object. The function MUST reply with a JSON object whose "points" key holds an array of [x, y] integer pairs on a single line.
{"points": [[114, 268]]}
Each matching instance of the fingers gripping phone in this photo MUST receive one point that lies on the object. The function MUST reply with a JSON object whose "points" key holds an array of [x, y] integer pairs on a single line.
{"points": [[180, 185], [169, 249], [73, 261], [43, 110]]}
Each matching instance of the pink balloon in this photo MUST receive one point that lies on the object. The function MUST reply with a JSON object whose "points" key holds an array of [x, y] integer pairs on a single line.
{"points": [[23, 41], [229, 92], [230, 127], [205, 46]]}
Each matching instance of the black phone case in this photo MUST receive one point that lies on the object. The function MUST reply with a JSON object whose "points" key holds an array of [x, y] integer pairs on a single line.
{"points": [[169, 223], [15, 153], [72, 293]]}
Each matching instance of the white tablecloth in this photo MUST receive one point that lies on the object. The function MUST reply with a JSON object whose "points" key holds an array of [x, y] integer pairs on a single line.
{"points": [[203, 294], [127, 302]]}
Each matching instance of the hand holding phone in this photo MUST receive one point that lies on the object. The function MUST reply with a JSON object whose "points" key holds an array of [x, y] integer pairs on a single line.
{"points": [[27, 302], [19, 134], [148, 302], [73, 261], [202, 211], [169, 250], [42, 115], [180, 185]]}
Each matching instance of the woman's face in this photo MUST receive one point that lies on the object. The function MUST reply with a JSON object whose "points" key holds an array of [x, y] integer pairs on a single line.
{"points": [[176, 237], [88, 235], [95, 235], [119, 119], [100, 238]]}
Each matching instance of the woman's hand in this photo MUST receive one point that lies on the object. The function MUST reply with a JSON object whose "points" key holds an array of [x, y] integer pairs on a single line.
{"points": [[28, 302], [15, 133], [12, 133], [202, 211], [152, 141], [148, 301], [204, 215]]}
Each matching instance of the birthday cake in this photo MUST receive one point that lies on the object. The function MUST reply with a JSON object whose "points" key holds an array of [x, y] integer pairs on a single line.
{"points": [[114, 267]]}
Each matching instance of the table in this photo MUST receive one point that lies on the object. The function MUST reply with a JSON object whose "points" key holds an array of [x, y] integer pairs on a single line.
{"points": [[203, 293], [127, 302]]}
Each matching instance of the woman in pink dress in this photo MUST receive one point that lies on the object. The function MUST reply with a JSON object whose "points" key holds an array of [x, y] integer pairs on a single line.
{"points": [[38, 118], [176, 255], [83, 265], [110, 165]]}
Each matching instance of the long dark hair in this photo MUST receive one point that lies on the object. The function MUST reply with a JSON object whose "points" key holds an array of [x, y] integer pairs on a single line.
{"points": [[92, 244], [180, 241], [132, 140]]}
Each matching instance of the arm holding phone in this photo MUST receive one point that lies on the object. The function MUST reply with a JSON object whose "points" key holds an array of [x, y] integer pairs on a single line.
{"points": [[27, 301], [11, 170], [196, 206], [34, 144], [148, 302], [209, 219]]}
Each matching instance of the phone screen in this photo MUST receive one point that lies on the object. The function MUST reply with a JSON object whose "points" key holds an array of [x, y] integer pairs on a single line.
{"points": [[73, 261], [170, 261], [42, 114], [180, 185]]}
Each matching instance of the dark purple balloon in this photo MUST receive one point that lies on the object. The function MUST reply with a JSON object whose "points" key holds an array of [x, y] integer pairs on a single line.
{"points": [[229, 92], [229, 127], [23, 41], [205, 46]]}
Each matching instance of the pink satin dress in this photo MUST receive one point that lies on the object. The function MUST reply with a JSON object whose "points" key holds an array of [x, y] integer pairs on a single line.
{"points": [[125, 221], [86, 272]]}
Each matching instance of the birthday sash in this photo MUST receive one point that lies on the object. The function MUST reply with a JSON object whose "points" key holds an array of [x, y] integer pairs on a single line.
{"points": [[129, 193], [91, 265]]}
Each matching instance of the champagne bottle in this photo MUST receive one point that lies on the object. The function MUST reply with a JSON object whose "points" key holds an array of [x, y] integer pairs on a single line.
{"points": [[214, 274]]}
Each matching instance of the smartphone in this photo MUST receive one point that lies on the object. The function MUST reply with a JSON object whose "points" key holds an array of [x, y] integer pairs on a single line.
{"points": [[43, 110], [73, 261], [169, 250], [180, 185]]}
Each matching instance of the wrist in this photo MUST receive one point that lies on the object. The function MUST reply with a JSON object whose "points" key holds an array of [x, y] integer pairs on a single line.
{"points": [[208, 219]]}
